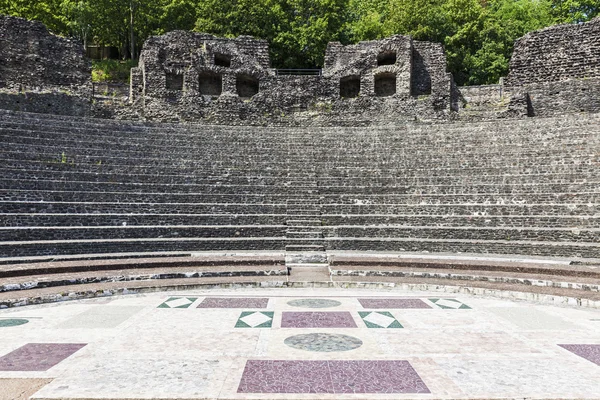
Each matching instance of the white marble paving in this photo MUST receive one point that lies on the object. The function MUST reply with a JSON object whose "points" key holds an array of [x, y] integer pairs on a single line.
{"points": [[499, 349]]}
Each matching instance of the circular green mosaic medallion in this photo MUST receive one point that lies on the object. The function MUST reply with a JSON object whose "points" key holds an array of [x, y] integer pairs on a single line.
{"points": [[314, 303], [323, 342], [4, 323]]}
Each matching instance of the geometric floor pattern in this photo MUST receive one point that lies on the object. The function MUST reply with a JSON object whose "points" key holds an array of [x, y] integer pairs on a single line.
{"points": [[330, 376], [379, 319], [178, 302], [255, 319], [317, 319], [393, 303], [450, 304], [301, 344], [37, 356], [234, 302], [590, 352]]}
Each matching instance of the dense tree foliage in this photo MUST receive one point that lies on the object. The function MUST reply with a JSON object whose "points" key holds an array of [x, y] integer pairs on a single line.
{"points": [[478, 35]]}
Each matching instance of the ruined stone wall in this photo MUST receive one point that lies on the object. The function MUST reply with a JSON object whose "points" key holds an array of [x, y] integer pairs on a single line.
{"points": [[31, 57], [556, 53], [199, 77]]}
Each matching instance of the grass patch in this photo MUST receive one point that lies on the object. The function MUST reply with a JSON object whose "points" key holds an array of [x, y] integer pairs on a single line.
{"points": [[112, 70]]}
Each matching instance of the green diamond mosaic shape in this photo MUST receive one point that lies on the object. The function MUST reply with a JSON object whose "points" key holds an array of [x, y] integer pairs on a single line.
{"points": [[450, 304], [379, 319], [255, 319], [178, 302]]}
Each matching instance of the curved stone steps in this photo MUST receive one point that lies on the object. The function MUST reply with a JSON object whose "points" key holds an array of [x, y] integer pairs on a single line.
{"points": [[324, 179], [234, 163], [552, 286], [91, 246], [540, 234], [325, 174], [56, 138], [354, 206], [229, 151], [488, 127], [576, 192], [102, 289], [557, 295], [479, 246], [434, 220], [25, 283], [38, 233], [43, 204], [131, 261], [466, 220], [137, 219]]}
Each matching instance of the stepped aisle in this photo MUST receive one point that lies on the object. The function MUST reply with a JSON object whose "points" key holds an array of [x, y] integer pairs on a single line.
{"points": [[121, 205]]}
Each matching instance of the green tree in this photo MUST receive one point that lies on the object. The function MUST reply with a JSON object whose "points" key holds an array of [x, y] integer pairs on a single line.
{"points": [[569, 11]]}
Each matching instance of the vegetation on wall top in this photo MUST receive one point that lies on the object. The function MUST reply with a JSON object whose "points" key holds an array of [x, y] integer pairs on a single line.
{"points": [[478, 35]]}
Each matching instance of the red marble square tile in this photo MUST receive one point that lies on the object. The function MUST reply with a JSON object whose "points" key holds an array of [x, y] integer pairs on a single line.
{"points": [[234, 302], [343, 376], [393, 303], [38, 356], [590, 352], [317, 319]]}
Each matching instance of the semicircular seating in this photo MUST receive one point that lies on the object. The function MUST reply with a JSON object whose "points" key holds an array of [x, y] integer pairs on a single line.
{"points": [[131, 206]]}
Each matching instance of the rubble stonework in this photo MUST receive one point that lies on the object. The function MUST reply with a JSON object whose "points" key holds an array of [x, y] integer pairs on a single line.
{"points": [[186, 76], [557, 53], [31, 57], [44, 73], [556, 70], [192, 76]]}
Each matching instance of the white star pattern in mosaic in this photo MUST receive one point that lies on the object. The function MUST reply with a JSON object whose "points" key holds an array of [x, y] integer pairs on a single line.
{"points": [[379, 319], [255, 319]]}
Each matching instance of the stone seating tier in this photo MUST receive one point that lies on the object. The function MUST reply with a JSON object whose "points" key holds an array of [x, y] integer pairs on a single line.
{"points": [[69, 186]]}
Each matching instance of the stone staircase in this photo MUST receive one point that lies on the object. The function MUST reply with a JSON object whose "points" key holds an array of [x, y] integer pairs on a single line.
{"points": [[75, 190], [306, 256]]}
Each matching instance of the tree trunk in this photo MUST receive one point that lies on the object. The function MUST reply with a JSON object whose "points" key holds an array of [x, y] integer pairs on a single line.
{"points": [[131, 32]]}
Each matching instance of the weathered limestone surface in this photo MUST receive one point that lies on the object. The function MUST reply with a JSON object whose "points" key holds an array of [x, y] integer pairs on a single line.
{"points": [[31, 57], [191, 76], [43, 73], [556, 53]]}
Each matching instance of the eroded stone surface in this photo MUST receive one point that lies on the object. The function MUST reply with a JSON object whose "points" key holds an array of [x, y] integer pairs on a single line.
{"points": [[314, 303], [328, 319], [323, 342]]}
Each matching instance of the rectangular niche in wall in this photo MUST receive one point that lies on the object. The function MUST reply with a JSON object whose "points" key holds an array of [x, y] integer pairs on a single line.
{"points": [[385, 84], [210, 84], [247, 86], [386, 58], [174, 81], [223, 60], [349, 86]]}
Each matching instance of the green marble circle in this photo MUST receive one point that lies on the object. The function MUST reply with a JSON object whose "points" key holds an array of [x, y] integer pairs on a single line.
{"points": [[314, 303], [5, 323], [323, 342]]}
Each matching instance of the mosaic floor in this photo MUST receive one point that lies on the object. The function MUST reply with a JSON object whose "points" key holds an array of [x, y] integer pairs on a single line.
{"points": [[301, 344]]}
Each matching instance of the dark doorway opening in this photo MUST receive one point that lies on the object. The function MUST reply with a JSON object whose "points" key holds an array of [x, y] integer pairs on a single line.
{"points": [[385, 84], [350, 86], [174, 81], [210, 84], [247, 86]]}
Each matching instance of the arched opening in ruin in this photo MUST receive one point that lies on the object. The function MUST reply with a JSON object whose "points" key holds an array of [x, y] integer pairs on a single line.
{"points": [[222, 60], [386, 58], [174, 81], [210, 84], [349, 86], [385, 84], [246, 86]]}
